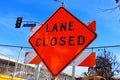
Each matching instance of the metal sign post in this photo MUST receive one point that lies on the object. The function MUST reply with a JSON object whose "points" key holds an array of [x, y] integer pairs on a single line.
{"points": [[73, 72], [37, 73], [94, 73]]}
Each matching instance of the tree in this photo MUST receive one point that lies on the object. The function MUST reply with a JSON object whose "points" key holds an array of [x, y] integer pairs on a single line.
{"points": [[84, 74], [116, 1], [107, 65], [114, 62], [103, 67], [116, 7]]}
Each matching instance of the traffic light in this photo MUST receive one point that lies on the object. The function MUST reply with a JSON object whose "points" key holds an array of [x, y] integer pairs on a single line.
{"points": [[18, 22]]}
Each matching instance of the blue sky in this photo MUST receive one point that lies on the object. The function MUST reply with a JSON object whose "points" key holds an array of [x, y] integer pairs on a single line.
{"points": [[40, 10], [36, 10]]}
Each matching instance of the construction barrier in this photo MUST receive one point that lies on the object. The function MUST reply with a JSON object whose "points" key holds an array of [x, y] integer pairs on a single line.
{"points": [[5, 77]]}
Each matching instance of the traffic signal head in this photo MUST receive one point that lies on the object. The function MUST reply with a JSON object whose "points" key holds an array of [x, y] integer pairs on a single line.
{"points": [[18, 22]]}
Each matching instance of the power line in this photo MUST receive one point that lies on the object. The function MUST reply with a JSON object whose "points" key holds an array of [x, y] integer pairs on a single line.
{"points": [[97, 47], [15, 46], [103, 47]]}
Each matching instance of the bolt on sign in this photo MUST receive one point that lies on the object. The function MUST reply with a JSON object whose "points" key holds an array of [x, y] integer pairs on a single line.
{"points": [[60, 40]]}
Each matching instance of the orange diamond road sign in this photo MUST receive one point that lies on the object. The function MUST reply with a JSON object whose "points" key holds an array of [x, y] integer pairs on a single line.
{"points": [[60, 40]]}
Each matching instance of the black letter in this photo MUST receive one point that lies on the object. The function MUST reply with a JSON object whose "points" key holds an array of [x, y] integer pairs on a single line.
{"points": [[55, 41], [71, 26], [71, 40], [47, 28], [44, 42], [62, 39], [55, 28], [63, 26], [81, 40], [37, 42]]}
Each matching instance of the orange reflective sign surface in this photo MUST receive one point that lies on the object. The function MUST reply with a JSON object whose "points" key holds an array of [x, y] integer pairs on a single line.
{"points": [[60, 40]]}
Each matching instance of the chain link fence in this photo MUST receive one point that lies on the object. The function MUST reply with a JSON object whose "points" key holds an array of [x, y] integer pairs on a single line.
{"points": [[12, 55]]}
